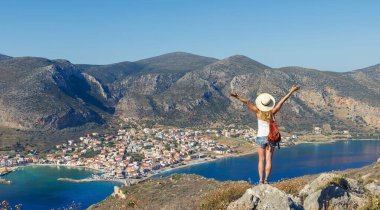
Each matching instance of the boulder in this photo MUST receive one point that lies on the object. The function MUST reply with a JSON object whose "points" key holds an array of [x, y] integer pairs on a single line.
{"points": [[355, 187], [265, 197], [374, 188], [333, 197], [323, 180]]}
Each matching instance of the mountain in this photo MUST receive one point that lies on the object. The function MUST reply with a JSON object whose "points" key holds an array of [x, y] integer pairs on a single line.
{"points": [[181, 89], [3, 57], [38, 93]]}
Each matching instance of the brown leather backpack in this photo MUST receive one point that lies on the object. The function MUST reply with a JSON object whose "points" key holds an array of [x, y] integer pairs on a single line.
{"points": [[274, 135]]}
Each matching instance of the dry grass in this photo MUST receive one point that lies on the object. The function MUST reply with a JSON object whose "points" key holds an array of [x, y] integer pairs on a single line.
{"points": [[373, 204], [365, 174], [195, 192], [242, 145], [222, 197], [230, 141], [178, 191], [293, 186]]}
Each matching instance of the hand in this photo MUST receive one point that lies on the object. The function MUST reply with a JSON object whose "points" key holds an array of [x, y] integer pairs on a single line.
{"points": [[235, 95], [295, 88]]}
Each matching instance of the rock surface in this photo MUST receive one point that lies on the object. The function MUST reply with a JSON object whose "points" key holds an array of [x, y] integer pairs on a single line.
{"points": [[332, 191], [374, 188], [333, 197], [322, 180], [265, 197]]}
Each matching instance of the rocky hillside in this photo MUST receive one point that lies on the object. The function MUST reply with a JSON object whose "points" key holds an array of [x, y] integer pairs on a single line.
{"points": [[176, 192], [37, 93], [180, 89], [350, 189]]}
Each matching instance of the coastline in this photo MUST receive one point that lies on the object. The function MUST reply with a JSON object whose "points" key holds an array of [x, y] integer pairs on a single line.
{"points": [[15, 168], [89, 180], [4, 181], [254, 151], [333, 141], [188, 163]]}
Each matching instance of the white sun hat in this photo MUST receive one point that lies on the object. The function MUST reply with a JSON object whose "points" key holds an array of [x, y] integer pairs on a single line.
{"points": [[265, 102]]}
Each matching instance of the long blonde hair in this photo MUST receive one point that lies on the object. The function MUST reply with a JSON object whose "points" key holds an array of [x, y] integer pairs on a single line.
{"points": [[265, 115]]}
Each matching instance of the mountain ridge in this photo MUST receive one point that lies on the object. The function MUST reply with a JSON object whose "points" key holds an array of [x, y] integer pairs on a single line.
{"points": [[181, 89]]}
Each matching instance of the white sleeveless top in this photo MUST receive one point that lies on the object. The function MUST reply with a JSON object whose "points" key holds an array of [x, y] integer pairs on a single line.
{"points": [[263, 128]]}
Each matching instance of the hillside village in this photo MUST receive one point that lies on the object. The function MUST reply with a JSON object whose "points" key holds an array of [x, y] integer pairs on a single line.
{"points": [[130, 153], [137, 153]]}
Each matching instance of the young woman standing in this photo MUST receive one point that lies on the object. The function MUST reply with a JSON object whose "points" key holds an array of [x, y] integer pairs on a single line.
{"points": [[265, 109]]}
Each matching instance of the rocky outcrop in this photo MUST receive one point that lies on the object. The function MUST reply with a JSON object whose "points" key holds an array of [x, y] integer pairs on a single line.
{"points": [[332, 191], [265, 197], [333, 197], [321, 181], [327, 191]]}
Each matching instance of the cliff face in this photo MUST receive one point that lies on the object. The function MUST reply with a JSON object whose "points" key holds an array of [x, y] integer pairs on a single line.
{"points": [[42, 94], [181, 89], [201, 96]]}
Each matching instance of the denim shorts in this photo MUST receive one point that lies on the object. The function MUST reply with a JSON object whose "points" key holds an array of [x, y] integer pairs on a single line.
{"points": [[262, 141]]}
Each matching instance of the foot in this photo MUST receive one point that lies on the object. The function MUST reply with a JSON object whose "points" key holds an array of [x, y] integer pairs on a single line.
{"points": [[265, 182], [261, 182]]}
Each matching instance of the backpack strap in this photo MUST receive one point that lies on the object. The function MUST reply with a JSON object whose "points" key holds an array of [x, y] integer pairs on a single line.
{"points": [[272, 116]]}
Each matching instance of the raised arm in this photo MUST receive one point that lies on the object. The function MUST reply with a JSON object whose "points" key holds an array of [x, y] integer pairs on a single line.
{"points": [[250, 105], [279, 104]]}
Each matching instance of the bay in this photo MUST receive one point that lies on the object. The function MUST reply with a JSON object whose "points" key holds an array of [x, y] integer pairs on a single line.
{"points": [[36, 187], [290, 162]]}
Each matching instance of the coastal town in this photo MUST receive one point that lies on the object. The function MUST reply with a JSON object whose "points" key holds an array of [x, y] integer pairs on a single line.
{"points": [[129, 154], [137, 153]]}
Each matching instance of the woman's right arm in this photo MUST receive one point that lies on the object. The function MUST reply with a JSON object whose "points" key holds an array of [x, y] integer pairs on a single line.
{"points": [[250, 105], [278, 106]]}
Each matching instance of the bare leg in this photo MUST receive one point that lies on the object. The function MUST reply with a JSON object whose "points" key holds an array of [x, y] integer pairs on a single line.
{"points": [[261, 152], [268, 164]]}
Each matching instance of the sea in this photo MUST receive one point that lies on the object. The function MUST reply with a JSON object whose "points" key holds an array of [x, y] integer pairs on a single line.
{"points": [[36, 187]]}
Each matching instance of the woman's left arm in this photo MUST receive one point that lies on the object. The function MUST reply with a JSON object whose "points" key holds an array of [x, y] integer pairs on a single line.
{"points": [[278, 106]]}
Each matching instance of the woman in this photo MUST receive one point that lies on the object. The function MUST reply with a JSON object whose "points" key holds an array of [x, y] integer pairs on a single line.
{"points": [[265, 109]]}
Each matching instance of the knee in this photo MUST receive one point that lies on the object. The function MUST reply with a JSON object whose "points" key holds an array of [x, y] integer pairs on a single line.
{"points": [[269, 160]]}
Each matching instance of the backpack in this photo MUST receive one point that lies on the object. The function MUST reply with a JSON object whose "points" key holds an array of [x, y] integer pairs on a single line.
{"points": [[274, 135]]}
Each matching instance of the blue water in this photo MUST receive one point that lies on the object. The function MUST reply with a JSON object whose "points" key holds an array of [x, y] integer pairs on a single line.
{"points": [[291, 162], [36, 187]]}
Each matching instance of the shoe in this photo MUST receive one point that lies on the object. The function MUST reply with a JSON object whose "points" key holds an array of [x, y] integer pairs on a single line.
{"points": [[261, 182], [265, 182]]}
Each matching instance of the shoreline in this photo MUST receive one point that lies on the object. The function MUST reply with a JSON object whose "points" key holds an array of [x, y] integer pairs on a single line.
{"points": [[89, 180], [4, 181], [56, 165], [254, 152], [168, 169], [333, 141]]}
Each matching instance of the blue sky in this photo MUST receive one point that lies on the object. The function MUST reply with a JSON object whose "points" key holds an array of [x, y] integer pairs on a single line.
{"points": [[336, 35]]}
